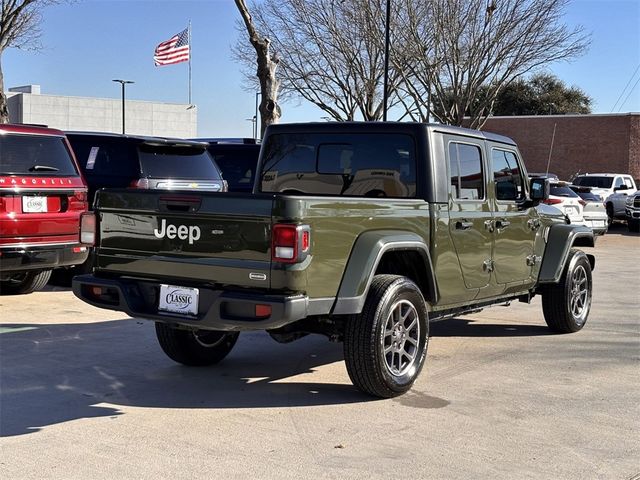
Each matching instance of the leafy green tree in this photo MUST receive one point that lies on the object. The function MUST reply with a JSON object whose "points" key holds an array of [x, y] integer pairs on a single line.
{"points": [[542, 94]]}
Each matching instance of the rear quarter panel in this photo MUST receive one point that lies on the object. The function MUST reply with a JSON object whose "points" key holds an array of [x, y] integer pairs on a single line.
{"points": [[336, 223]]}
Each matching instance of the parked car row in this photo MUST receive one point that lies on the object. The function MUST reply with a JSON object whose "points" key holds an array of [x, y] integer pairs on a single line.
{"points": [[48, 180], [594, 200], [612, 188]]}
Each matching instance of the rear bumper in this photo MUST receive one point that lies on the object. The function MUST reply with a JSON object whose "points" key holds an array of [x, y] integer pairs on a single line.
{"points": [[41, 257], [218, 309], [599, 225]]}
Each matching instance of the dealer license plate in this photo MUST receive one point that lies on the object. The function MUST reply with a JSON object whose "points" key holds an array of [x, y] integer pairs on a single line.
{"points": [[174, 299], [34, 204]]}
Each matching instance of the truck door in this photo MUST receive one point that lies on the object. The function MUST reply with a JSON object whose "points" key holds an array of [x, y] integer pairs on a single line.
{"points": [[470, 219], [515, 226]]}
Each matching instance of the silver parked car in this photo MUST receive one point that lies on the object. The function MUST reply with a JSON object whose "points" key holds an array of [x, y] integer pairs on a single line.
{"points": [[594, 210]]}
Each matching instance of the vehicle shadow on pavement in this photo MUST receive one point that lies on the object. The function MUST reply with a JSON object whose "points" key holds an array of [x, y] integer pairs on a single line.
{"points": [[57, 373], [618, 228], [468, 327]]}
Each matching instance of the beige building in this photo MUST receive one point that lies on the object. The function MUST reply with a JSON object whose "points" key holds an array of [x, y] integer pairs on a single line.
{"points": [[28, 105]]}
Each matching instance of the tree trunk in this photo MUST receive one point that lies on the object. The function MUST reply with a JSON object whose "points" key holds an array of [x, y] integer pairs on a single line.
{"points": [[267, 64], [4, 110]]}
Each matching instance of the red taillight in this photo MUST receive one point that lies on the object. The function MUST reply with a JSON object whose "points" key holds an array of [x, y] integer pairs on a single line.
{"points": [[263, 311], [290, 243], [140, 183], [2, 205], [552, 201], [582, 202], [88, 228], [78, 201], [96, 291], [285, 243]]}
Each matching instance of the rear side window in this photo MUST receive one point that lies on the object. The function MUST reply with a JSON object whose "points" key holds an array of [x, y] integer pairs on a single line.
{"points": [[361, 165], [238, 165], [506, 175], [588, 196], [562, 191], [105, 156], [594, 181], [35, 155], [172, 161], [465, 171]]}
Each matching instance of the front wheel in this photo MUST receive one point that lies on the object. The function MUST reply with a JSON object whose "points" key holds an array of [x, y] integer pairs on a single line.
{"points": [[566, 304], [633, 224], [26, 282], [195, 347], [609, 208], [385, 346]]}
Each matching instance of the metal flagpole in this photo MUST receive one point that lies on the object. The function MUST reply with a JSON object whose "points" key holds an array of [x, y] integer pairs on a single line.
{"points": [[190, 55]]}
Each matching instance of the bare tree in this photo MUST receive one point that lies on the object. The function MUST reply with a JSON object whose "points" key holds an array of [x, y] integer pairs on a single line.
{"points": [[19, 28], [467, 51], [331, 53], [266, 73]]}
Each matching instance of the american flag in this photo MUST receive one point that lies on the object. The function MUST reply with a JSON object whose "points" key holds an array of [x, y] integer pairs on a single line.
{"points": [[174, 50]]}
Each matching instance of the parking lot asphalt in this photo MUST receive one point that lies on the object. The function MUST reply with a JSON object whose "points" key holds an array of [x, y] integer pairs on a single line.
{"points": [[87, 393]]}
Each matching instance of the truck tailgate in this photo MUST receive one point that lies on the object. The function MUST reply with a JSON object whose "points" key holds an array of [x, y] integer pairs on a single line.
{"points": [[217, 238]]}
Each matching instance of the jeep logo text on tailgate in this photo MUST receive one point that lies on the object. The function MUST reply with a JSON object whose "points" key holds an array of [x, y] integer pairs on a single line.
{"points": [[181, 231]]}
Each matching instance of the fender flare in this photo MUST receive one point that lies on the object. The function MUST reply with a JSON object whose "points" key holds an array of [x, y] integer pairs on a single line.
{"points": [[559, 243], [364, 259]]}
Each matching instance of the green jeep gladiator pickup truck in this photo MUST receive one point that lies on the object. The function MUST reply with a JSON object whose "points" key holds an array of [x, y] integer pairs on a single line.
{"points": [[362, 232]]}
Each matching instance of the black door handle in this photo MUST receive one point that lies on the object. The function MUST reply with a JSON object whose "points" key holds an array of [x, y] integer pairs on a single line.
{"points": [[463, 225], [500, 224]]}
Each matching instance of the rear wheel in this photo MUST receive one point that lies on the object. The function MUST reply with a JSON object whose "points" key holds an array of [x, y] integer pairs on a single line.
{"points": [[386, 345], [195, 347], [634, 225], [566, 304], [26, 282]]}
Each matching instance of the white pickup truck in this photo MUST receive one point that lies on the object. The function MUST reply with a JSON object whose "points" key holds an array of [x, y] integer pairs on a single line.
{"points": [[613, 188]]}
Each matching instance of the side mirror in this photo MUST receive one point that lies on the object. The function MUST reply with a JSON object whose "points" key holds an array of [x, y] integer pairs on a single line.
{"points": [[539, 189], [621, 187]]}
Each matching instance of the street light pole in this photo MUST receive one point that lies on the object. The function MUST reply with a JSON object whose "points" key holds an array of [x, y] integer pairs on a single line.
{"points": [[123, 83], [254, 122], [386, 64], [255, 135]]}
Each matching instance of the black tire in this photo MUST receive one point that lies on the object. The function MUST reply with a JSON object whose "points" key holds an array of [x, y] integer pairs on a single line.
{"points": [[609, 208], [196, 348], [633, 224], [26, 282], [566, 304], [370, 352]]}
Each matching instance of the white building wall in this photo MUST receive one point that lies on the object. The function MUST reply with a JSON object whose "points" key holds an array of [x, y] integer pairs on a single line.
{"points": [[104, 115]]}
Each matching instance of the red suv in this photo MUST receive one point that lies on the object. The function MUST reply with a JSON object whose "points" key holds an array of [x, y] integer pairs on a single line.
{"points": [[43, 205]]}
